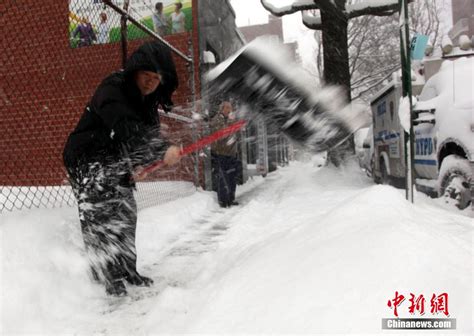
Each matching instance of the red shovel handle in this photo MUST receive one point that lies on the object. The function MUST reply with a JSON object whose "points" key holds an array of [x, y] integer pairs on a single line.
{"points": [[201, 143]]}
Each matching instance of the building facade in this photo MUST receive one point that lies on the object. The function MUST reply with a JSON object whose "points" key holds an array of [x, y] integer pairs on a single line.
{"points": [[276, 148], [463, 19]]}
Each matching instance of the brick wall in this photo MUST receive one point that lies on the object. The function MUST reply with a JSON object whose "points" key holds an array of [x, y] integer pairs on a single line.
{"points": [[45, 84]]}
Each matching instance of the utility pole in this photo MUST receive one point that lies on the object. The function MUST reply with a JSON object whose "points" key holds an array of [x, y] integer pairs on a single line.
{"points": [[407, 91]]}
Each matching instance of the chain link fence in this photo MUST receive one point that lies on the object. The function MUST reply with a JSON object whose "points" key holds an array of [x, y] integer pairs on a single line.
{"points": [[54, 55]]}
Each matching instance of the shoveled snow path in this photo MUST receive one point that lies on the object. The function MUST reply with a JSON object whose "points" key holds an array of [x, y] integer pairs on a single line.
{"points": [[184, 268], [187, 263]]}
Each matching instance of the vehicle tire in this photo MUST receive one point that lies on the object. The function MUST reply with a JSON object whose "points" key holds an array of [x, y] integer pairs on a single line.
{"points": [[454, 177], [372, 166]]}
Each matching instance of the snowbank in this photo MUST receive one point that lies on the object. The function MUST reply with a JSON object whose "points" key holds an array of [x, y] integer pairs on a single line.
{"points": [[45, 274], [327, 266]]}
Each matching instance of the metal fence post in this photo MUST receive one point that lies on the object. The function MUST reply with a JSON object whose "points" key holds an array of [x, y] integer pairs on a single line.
{"points": [[192, 85], [123, 33]]}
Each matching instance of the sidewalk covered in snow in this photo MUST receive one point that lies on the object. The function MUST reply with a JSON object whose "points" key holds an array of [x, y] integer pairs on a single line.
{"points": [[310, 249]]}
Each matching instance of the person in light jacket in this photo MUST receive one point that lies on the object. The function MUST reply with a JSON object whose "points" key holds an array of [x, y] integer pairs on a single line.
{"points": [[178, 19], [224, 157]]}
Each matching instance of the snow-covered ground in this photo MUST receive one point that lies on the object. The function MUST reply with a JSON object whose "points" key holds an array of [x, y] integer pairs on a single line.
{"points": [[314, 250]]}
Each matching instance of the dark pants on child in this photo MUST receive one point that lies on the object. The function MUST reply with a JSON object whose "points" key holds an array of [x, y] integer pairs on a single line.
{"points": [[225, 170], [108, 216]]}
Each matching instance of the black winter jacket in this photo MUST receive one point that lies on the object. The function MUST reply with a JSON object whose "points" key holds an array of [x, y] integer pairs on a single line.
{"points": [[119, 126]]}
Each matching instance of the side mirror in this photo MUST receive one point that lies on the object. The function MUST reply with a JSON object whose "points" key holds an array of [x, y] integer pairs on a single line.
{"points": [[424, 117]]}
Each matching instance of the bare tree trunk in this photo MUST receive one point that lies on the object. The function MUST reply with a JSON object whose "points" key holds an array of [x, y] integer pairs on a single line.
{"points": [[336, 68], [336, 55]]}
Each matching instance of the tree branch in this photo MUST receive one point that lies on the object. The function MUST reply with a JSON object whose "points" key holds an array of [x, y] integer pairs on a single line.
{"points": [[312, 21], [355, 58], [388, 69], [373, 7], [297, 6], [361, 93], [355, 29]]}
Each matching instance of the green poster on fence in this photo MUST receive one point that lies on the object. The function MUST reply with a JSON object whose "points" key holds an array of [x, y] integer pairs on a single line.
{"points": [[93, 22]]}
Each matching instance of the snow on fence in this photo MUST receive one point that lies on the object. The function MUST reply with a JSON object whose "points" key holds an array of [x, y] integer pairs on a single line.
{"points": [[47, 81], [147, 194]]}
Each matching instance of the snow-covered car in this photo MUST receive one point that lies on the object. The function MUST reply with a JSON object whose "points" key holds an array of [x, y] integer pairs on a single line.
{"points": [[444, 131]]}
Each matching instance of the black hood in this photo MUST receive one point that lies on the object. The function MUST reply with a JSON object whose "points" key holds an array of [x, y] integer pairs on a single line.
{"points": [[155, 56]]}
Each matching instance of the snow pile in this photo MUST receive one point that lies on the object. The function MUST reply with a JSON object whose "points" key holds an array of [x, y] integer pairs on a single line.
{"points": [[404, 113], [43, 271], [311, 19], [294, 6], [446, 44], [458, 76], [454, 82], [45, 281], [326, 266], [313, 250]]}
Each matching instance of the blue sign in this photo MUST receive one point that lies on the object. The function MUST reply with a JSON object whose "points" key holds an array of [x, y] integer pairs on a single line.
{"points": [[418, 46]]}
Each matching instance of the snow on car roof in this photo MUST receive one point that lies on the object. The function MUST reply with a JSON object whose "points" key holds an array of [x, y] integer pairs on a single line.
{"points": [[455, 80], [457, 75]]}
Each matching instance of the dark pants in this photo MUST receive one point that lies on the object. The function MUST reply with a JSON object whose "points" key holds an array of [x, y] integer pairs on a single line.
{"points": [[108, 215], [225, 169]]}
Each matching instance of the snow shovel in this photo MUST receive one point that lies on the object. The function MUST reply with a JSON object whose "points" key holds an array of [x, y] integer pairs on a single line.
{"points": [[276, 88], [201, 143]]}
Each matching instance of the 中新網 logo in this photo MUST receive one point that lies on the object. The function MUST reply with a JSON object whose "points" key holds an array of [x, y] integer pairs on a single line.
{"points": [[417, 305]]}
